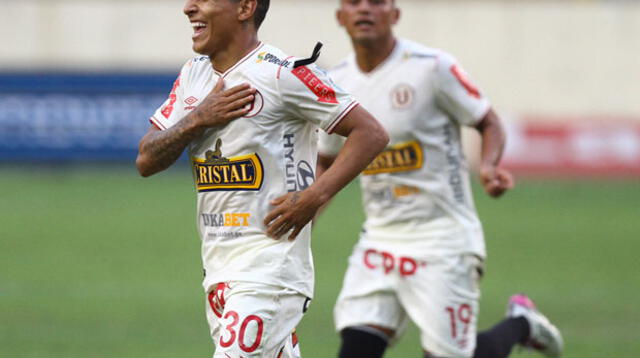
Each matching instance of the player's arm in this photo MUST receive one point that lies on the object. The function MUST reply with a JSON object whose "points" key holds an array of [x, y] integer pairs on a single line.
{"points": [[457, 95], [159, 149], [365, 139], [326, 159], [495, 180], [324, 162]]}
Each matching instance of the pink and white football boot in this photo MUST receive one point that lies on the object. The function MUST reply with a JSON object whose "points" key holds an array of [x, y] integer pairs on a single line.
{"points": [[544, 337]]}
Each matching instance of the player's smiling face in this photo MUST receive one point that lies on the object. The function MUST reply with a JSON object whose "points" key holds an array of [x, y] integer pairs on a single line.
{"points": [[213, 23], [368, 20]]}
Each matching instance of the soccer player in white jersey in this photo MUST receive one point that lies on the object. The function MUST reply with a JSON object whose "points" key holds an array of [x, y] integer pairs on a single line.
{"points": [[248, 115], [421, 251]]}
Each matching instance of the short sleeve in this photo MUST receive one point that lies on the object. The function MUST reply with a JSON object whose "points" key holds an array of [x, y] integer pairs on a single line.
{"points": [[456, 94], [330, 144], [308, 93], [170, 112]]}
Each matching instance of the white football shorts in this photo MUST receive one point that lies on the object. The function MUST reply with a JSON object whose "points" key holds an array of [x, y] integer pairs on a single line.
{"points": [[254, 320], [386, 286]]}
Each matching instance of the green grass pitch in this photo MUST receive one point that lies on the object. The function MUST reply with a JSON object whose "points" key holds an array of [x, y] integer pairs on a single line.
{"points": [[102, 263]]}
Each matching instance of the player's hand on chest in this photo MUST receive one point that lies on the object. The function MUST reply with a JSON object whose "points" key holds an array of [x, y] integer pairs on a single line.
{"points": [[220, 105]]}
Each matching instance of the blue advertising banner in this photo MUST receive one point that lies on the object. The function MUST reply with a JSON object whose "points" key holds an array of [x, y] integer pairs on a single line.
{"points": [[77, 117]]}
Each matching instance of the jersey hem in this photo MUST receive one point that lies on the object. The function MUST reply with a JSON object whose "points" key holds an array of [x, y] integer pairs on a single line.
{"points": [[157, 123], [341, 116], [482, 112], [210, 282]]}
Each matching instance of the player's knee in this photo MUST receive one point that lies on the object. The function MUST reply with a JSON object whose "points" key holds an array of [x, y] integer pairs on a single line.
{"points": [[364, 342]]}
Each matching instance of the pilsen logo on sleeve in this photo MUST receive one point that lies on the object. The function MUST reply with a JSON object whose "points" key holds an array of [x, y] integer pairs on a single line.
{"points": [[325, 93], [166, 111], [398, 158], [217, 173]]}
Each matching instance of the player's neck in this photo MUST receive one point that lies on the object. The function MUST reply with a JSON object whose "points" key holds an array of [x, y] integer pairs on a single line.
{"points": [[370, 55], [236, 49]]}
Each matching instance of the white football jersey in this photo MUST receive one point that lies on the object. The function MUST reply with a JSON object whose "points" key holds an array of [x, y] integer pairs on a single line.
{"points": [[418, 189], [240, 167]]}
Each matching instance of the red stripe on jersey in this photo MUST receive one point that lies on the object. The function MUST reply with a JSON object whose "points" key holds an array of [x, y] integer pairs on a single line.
{"points": [[166, 111], [156, 123], [325, 93], [464, 81], [342, 115]]}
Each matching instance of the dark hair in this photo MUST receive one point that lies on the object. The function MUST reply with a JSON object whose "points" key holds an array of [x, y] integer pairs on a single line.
{"points": [[261, 12]]}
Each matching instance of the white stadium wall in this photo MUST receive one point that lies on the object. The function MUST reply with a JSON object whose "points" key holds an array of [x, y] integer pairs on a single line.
{"points": [[530, 56], [559, 61]]}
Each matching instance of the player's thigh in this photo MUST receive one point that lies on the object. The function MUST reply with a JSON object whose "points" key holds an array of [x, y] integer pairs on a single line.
{"points": [[442, 300], [254, 320], [368, 295]]}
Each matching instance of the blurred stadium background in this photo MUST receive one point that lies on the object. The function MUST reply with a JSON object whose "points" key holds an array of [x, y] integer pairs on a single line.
{"points": [[97, 262]]}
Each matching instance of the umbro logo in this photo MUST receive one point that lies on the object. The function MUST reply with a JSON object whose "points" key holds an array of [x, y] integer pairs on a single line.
{"points": [[190, 101]]}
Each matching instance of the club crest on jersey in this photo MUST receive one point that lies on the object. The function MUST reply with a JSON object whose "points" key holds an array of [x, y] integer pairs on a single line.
{"points": [[255, 106], [402, 96], [217, 173], [398, 158]]}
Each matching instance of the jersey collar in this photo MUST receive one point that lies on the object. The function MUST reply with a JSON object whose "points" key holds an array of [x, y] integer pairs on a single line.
{"points": [[385, 63], [244, 59]]}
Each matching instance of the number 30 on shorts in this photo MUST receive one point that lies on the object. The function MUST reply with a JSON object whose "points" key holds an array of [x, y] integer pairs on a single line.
{"points": [[232, 335]]}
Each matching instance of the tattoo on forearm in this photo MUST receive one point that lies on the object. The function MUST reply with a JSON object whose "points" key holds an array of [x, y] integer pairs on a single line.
{"points": [[166, 146]]}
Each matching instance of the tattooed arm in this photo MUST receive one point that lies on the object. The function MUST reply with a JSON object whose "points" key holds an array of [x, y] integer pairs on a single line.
{"points": [[158, 149]]}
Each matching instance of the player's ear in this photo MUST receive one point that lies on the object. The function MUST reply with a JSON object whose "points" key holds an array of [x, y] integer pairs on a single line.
{"points": [[246, 9], [340, 17], [396, 15]]}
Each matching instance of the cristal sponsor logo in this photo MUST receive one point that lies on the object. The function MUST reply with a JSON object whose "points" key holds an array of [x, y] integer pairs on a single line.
{"points": [[398, 158], [325, 93], [267, 57], [217, 173], [225, 219], [299, 175], [406, 266]]}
